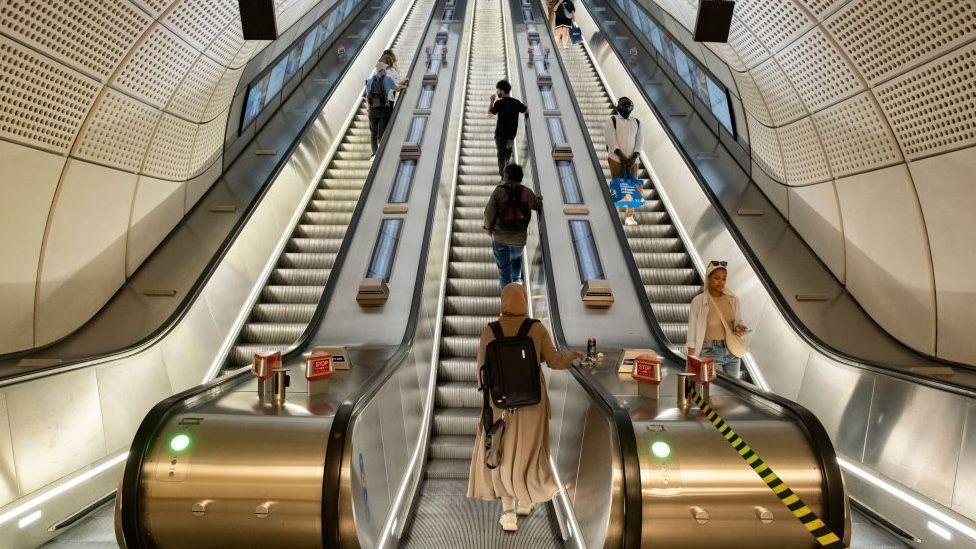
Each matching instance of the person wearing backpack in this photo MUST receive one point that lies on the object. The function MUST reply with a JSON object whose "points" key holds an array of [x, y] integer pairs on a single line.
{"points": [[507, 108], [507, 217], [624, 142], [562, 16], [379, 98], [512, 463]]}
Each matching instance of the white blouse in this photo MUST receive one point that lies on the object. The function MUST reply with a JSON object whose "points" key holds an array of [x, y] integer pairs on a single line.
{"points": [[698, 318]]}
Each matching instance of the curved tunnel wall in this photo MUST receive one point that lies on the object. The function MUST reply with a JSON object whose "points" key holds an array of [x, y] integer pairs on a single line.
{"points": [[113, 116], [861, 120]]}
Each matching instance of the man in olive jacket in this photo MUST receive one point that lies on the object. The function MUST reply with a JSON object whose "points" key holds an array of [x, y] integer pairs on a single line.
{"points": [[507, 217]]}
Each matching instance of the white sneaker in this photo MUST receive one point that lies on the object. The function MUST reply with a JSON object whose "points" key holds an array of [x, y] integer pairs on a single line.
{"points": [[630, 220], [509, 522], [524, 510]]}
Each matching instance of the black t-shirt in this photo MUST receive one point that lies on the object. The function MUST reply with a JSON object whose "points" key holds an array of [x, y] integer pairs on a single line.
{"points": [[508, 110]]}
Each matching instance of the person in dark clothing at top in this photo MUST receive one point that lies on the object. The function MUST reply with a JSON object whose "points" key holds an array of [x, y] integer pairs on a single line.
{"points": [[507, 217], [378, 93], [507, 108], [562, 15]]}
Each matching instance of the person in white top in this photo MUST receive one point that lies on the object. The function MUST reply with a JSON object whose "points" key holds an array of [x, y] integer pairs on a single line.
{"points": [[706, 334], [624, 142]]}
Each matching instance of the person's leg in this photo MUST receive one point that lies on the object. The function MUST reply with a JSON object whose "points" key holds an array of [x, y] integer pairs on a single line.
{"points": [[509, 148], [616, 168], [731, 365], [502, 260], [515, 263], [501, 146], [374, 131], [381, 127]]}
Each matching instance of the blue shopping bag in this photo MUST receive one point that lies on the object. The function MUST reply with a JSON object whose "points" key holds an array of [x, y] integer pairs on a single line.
{"points": [[627, 192], [575, 34]]}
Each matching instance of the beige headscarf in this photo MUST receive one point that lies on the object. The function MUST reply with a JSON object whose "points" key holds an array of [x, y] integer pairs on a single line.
{"points": [[514, 300]]}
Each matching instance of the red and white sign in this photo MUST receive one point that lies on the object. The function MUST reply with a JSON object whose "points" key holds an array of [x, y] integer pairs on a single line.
{"points": [[265, 364], [647, 369], [319, 366], [703, 368]]}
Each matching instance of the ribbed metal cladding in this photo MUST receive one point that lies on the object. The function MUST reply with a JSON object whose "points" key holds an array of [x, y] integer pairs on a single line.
{"points": [[288, 301], [665, 267], [442, 516]]}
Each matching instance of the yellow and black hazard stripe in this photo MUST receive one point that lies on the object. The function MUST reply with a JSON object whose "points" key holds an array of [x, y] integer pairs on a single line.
{"points": [[820, 531]]}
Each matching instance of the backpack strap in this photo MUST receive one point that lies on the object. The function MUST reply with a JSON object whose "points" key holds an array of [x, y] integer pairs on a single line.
{"points": [[496, 328], [526, 326], [614, 120]]}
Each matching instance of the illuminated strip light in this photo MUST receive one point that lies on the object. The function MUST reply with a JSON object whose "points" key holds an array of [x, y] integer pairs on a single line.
{"points": [[58, 490], [909, 499]]}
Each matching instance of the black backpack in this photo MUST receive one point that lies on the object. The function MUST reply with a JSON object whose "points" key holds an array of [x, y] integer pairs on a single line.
{"points": [[513, 213], [510, 378], [377, 92]]}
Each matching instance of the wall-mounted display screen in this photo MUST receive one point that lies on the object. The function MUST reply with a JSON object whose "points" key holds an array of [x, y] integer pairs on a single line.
{"points": [[706, 87], [266, 87]]}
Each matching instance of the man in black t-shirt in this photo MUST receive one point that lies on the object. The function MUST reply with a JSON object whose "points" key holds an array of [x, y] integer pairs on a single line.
{"points": [[507, 108]]}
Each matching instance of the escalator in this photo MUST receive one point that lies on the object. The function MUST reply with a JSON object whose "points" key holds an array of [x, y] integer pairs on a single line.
{"points": [[442, 512], [666, 269], [290, 296]]}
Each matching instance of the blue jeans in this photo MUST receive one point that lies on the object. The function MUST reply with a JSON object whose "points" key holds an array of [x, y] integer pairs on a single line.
{"points": [[509, 261], [716, 350]]}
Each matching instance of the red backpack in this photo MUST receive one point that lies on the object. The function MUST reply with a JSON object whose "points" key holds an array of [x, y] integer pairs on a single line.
{"points": [[513, 213]]}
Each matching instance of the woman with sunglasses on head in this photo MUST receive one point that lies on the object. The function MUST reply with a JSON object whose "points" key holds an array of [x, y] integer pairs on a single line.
{"points": [[714, 312]]}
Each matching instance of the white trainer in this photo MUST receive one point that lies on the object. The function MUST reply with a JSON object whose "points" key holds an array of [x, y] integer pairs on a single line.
{"points": [[629, 220], [509, 522], [524, 510]]}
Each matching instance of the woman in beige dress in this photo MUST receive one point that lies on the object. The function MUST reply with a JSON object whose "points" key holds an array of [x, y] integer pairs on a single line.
{"points": [[523, 476]]}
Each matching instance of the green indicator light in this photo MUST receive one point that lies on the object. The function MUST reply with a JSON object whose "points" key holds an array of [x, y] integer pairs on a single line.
{"points": [[661, 449], [179, 443]]}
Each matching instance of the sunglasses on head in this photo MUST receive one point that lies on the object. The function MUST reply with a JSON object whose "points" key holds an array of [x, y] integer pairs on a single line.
{"points": [[719, 263]]}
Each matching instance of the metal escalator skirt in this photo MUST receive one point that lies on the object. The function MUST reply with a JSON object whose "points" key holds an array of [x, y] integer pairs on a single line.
{"points": [[426, 97], [548, 98], [587, 257], [403, 182], [569, 182], [384, 251]]}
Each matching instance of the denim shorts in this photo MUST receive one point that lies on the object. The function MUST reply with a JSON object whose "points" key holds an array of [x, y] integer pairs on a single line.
{"points": [[716, 350]]}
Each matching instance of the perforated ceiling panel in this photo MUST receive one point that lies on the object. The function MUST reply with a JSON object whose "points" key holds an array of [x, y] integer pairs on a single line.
{"points": [[884, 38], [853, 87], [191, 99], [42, 102], [90, 35], [932, 109], [201, 22], [157, 67], [171, 149], [119, 131]]}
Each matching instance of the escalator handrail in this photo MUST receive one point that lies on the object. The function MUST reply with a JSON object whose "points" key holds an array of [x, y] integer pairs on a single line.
{"points": [[782, 304], [222, 250], [833, 485], [156, 418], [618, 415]]}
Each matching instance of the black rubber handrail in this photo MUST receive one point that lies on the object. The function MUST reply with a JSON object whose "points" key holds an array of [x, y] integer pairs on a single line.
{"points": [[156, 418], [210, 268], [779, 299], [617, 414], [835, 495]]}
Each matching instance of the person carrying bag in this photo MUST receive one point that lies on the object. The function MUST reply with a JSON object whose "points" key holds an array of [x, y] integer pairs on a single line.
{"points": [[625, 140], [715, 328]]}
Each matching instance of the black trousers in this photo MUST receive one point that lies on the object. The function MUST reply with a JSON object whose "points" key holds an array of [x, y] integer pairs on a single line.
{"points": [[379, 117], [504, 146]]}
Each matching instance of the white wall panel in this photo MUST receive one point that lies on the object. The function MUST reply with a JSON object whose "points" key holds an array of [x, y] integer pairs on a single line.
{"points": [[885, 38], [223, 93], [201, 22], [51, 425], [774, 190], [90, 35], [777, 347], [9, 489], [774, 22], [119, 132], [171, 148], [750, 50], [191, 98], [84, 254], [752, 98], [818, 71], [190, 349], [803, 155], [43, 102], [766, 150], [157, 208], [156, 67], [29, 178], [208, 144], [889, 268], [143, 381], [945, 186], [932, 109], [228, 43], [814, 214], [196, 187], [856, 136], [782, 100]]}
